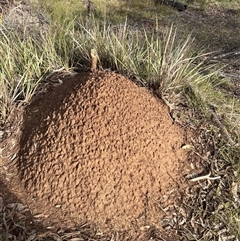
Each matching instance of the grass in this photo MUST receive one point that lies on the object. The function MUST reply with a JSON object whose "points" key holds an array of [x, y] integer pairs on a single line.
{"points": [[115, 11], [164, 63], [24, 61], [158, 60]]}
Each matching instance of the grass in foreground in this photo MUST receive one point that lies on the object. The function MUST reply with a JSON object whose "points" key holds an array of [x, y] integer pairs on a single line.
{"points": [[156, 60]]}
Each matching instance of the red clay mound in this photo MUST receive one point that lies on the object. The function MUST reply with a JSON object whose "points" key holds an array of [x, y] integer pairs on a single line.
{"points": [[100, 149]]}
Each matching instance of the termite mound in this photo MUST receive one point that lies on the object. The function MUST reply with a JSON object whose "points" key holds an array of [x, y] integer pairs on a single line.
{"points": [[101, 149]]}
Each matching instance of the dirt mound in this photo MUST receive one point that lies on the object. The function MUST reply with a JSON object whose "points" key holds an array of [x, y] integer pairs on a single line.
{"points": [[99, 148]]}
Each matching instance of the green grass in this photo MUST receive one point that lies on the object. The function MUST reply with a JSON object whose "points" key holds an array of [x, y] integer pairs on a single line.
{"points": [[158, 60]]}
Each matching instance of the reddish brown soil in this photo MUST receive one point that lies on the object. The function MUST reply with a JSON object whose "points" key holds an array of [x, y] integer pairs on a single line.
{"points": [[101, 149]]}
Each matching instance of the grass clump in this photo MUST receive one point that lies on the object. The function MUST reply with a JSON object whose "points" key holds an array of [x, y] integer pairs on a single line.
{"points": [[157, 60], [25, 59]]}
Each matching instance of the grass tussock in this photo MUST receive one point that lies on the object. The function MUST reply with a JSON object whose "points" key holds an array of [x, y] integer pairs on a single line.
{"points": [[25, 58]]}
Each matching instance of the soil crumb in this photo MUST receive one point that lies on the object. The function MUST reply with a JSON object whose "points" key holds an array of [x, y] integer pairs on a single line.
{"points": [[98, 148]]}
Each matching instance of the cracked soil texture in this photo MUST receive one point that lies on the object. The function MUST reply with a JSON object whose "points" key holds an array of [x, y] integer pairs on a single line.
{"points": [[101, 149]]}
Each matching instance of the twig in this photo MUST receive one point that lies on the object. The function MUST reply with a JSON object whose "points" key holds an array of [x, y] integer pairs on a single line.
{"points": [[207, 177], [94, 60], [227, 75], [222, 128], [234, 53]]}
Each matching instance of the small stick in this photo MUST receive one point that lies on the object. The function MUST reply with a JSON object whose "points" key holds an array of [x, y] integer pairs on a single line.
{"points": [[204, 177], [94, 57], [223, 129]]}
